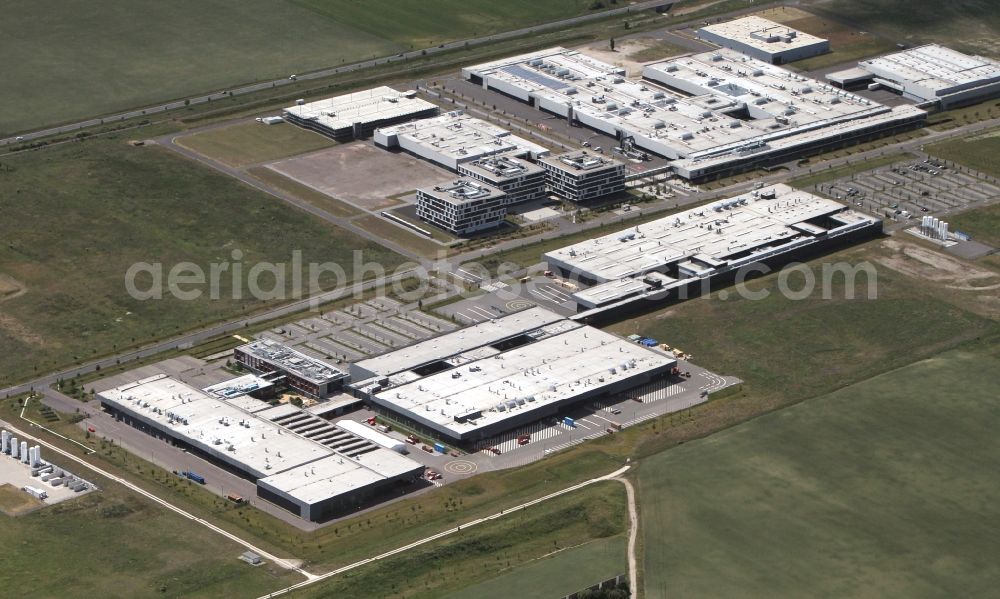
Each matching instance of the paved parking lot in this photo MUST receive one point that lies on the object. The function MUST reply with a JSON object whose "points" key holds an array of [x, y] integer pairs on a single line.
{"points": [[905, 191], [504, 297], [360, 330]]}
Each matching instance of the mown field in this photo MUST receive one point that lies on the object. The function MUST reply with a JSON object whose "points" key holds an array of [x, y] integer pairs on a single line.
{"points": [[557, 575], [883, 488], [788, 349], [248, 143], [505, 547], [75, 60], [114, 543], [981, 152], [967, 25], [78, 215]]}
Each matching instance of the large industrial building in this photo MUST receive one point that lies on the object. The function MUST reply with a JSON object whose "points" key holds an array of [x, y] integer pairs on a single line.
{"points": [[307, 375], [521, 180], [711, 113], [462, 206], [497, 375], [664, 258], [317, 477], [580, 176], [455, 137], [358, 114], [764, 39], [933, 73]]}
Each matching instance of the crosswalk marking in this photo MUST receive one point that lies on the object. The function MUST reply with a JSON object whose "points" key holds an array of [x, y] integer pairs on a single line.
{"points": [[495, 286]]}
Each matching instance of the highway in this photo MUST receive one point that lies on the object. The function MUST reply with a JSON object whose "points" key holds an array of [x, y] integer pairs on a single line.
{"points": [[328, 72]]}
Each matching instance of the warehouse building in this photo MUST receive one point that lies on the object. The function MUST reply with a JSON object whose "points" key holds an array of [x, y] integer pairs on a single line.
{"points": [[306, 375], [498, 375], [581, 176], [937, 74], [669, 257], [711, 114], [358, 114], [317, 477], [764, 39], [521, 180], [462, 206], [454, 138]]}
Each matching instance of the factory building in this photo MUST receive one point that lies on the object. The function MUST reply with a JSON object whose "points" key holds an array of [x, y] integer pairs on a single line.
{"points": [[580, 176], [300, 462], [669, 257], [306, 375], [764, 40], [521, 180], [462, 206], [712, 113], [455, 137], [358, 114], [497, 375], [934, 73]]}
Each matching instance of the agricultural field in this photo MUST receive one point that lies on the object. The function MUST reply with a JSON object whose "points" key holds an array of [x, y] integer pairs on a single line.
{"points": [[557, 575], [249, 143], [58, 69], [78, 215], [588, 524], [966, 25], [881, 488]]}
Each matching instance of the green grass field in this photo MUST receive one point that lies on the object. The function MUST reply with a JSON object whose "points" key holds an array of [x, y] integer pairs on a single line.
{"points": [[793, 349], [883, 488], [76, 216], [317, 198], [983, 224], [981, 152], [76, 60], [249, 143], [113, 543], [14, 501], [507, 547], [967, 25], [558, 575]]}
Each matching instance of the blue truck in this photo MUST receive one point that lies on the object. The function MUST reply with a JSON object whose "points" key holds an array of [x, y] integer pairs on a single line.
{"points": [[194, 476]]}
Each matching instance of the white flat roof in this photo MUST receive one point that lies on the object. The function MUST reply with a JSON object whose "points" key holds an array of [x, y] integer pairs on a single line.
{"points": [[292, 464], [462, 191], [475, 336], [367, 106], [240, 385], [462, 137], [335, 475], [501, 168], [581, 161], [714, 234], [714, 105], [293, 361], [936, 67], [558, 367], [260, 445], [763, 34]]}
